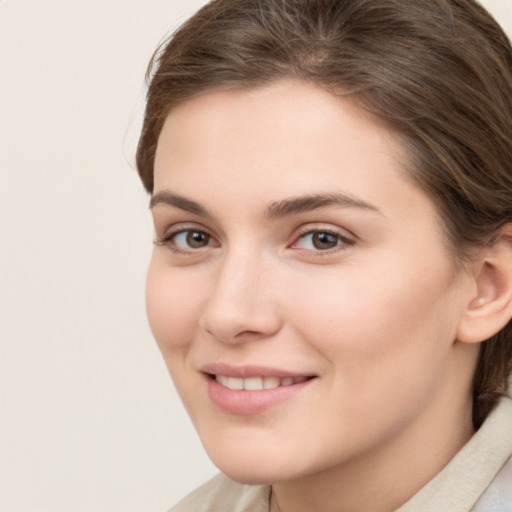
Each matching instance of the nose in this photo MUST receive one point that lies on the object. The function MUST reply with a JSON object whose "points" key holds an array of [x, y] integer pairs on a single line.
{"points": [[241, 306]]}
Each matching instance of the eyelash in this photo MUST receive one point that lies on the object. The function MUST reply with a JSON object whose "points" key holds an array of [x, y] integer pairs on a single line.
{"points": [[343, 241], [169, 240]]}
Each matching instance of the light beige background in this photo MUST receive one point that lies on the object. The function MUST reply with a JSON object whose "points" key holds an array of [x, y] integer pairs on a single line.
{"points": [[89, 420]]}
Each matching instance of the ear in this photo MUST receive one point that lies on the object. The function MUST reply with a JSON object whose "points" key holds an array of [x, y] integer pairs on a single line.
{"points": [[490, 307]]}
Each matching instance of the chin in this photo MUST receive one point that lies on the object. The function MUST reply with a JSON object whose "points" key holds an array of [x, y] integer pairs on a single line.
{"points": [[245, 466], [255, 468], [249, 476]]}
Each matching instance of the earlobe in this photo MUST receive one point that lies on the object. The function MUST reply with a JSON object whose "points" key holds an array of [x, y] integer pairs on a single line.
{"points": [[490, 308]]}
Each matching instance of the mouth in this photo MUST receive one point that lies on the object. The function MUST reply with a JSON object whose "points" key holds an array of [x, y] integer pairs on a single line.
{"points": [[257, 383], [253, 390]]}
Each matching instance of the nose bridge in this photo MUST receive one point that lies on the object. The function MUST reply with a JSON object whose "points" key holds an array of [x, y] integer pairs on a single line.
{"points": [[240, 305]]}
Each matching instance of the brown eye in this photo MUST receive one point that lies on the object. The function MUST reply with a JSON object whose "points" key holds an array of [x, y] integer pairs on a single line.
{"points": [[188, 239], [196, 239], [322, 240]]}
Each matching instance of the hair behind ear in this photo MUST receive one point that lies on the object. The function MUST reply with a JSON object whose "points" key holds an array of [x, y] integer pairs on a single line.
{"points": [[491, 381]]}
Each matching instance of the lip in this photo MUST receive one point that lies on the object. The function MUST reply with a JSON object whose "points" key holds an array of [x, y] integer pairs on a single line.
{"points": [[245, 372], [244, 402]]}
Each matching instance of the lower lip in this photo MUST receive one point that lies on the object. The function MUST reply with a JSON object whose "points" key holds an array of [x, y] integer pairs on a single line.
{"points": [[245, 402]]}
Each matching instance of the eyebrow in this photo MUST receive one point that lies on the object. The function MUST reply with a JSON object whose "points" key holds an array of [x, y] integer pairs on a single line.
{"points": [[170, 199], [302, 204], [276, 209]]}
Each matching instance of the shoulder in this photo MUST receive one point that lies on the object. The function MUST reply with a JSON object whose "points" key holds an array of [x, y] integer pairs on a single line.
{"points": [[222, 494], [498, 496]]}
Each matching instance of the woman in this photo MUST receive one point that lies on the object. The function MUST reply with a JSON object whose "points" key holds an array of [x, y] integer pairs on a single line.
{"points": [[331, 284]]}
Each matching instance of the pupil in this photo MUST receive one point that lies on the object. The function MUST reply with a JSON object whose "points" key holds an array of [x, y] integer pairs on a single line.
{"points": [[324, 240], [196, 239]]}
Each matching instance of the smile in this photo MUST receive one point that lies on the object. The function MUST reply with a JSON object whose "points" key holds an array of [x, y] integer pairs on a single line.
{"points": [[255, 392], [257, 383]]}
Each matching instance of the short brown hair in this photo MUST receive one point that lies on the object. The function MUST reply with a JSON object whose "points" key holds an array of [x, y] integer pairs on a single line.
{"points": [[438, 71]]}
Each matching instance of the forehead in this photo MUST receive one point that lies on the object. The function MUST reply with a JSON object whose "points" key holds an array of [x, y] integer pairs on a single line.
{"points": [[288, 125]]}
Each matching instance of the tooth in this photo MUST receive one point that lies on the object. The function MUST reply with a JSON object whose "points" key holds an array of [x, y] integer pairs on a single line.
{"points": [[253, 383], [221, 379], [257, 383], [270, 382], [235, 383]]}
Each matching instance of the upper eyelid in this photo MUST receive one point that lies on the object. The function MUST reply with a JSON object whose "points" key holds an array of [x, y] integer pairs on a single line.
{"points": [[179, 227], [314, 227]]}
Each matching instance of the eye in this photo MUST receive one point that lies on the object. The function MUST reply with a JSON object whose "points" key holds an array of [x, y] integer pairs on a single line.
{"points": [[321, 240], [185, 240], [192, 239]]}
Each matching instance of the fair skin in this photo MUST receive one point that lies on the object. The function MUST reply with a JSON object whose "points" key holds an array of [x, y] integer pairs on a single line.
{"points": [[293, 246]]}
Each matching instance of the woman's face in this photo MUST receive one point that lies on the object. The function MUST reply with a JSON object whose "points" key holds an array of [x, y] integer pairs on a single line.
{"points": [[300, 290]]}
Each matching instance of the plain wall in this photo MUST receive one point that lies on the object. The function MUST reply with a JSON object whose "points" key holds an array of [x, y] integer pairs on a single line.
{"points": [[89, 420]]}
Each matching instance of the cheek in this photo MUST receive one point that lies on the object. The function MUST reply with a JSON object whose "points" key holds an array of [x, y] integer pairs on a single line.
{"points": [[390, 323], [173, 307], [386, 346]]}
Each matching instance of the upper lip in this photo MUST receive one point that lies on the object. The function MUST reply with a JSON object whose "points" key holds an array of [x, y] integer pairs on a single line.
{"points": [[248, 371]]}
